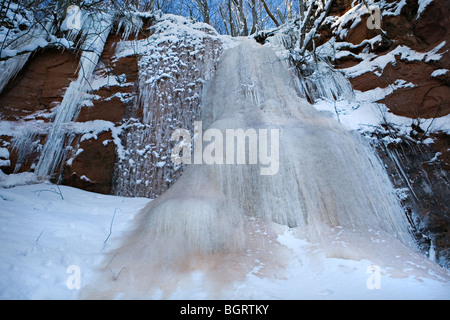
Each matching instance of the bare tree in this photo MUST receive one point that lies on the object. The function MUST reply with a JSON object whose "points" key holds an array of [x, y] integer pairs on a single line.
{"points": [[204, 9], [301, 9], [226, 13], [241, 17], [317, 12], [269, 12], [255, 15]]}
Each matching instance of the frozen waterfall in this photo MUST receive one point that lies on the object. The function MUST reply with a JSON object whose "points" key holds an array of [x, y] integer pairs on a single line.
{"points": [[224, 217]]}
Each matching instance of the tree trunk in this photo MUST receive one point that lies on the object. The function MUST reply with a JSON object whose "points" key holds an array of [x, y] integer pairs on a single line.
{"points": [[301, 7], [271, 15], [255, 17], [230, 19]]}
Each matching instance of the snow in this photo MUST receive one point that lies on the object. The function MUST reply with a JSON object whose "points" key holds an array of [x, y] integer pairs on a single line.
{"points": [[46, 229], [423, 4], [371, 62], [4, 153], [161, 164], [4, 157], [364, 114], [353, 15], [84, 178], [20, 128], [397, 9], [439, 72], [435, 158], [4, 163], [12, 180], [33, 45], [380, 93]]}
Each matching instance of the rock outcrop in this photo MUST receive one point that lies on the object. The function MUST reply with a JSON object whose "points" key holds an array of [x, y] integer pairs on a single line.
{"points": [[403, 35], [413, 48]]}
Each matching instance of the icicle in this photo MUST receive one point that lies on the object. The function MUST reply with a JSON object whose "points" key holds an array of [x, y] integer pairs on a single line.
{"points": [[96, 27], [130, 24], [25, 144], [12, 66], [324, 83]]}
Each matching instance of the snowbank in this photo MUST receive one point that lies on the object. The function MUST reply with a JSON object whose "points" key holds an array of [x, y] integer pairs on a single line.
{"points": [[45, 229]]}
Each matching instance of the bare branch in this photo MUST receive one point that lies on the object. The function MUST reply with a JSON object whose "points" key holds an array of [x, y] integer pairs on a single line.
{"points": [[269, 12]]}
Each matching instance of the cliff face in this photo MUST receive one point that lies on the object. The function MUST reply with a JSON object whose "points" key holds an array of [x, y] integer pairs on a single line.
{"points": [[405, 33], [32, 97], [420, 174], [406, 67], [115, 88]]}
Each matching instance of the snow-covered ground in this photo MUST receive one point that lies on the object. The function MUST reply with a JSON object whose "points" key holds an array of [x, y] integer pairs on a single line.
{"points": [[48, 234], [45, 229]]}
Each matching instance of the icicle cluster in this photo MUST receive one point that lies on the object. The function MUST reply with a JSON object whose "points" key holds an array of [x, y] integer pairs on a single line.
{"points": [[13, 38], [175, 62], [323, 82], [96, 28]]}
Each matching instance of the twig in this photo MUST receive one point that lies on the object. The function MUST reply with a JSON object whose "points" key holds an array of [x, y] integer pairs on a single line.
{"points": [[37, 239], [60, 192], [337, 112], [51, 190], [116, 276], [110, 226]]}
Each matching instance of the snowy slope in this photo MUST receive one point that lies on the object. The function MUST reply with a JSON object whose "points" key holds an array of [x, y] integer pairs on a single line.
{"points": [[45, 229], [43, 234]]}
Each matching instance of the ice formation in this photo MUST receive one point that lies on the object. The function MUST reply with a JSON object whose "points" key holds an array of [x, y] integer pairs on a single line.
{"points": [[97, 27], [222, 219]]}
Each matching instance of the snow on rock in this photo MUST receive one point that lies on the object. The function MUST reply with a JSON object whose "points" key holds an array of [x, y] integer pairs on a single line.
{"points": [[439, 72], [422, 6], [13, 180], [13, 40], [371, 62], [4, 157], [4, 153]]}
